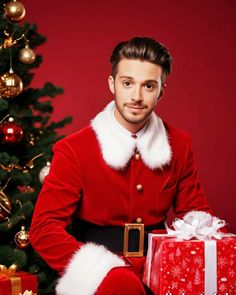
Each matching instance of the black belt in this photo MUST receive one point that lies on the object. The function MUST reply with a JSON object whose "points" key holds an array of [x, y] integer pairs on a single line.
{"points": [[130, 240]]}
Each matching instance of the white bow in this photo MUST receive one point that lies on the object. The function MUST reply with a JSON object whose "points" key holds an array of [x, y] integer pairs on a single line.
{"points": [[197, 224]]}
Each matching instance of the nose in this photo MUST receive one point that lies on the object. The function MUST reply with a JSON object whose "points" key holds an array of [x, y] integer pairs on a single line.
{"points": [[137, 94]]}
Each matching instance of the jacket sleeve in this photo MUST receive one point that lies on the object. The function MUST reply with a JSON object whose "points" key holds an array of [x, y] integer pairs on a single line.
{"points": [[56, 204], [82, 266], [190, 195]]}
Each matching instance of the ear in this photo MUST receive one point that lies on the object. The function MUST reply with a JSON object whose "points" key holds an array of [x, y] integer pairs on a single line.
{"points": [[111, 83], [163, 87]]}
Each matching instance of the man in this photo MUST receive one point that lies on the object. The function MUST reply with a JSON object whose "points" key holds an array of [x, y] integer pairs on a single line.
{"points": [[114, 179]]}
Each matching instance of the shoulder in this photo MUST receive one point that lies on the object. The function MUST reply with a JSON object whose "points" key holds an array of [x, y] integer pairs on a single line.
{"points": [[179, 139], [175, 132], [83, 137]]}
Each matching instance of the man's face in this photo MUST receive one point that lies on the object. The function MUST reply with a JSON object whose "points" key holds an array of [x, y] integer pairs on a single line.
{"points": [[136, 87]]}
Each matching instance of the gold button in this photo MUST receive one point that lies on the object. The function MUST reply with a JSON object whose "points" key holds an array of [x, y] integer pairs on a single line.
{"points": [[139, 220], [137, 156], [139, 187]]}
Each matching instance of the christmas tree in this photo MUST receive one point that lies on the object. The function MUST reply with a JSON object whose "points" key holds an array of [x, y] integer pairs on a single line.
{"points": [[27, 135]]}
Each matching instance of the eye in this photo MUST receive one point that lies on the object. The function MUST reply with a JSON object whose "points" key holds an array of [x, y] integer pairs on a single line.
{"points": [[126, 83], [149, 86]]}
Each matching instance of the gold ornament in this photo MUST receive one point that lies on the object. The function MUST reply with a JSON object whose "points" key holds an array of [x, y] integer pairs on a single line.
{"points": [[9, 42], [11, 85], [15, 10], [5, 205], [24, 169], [22, 238], [27, 55]]}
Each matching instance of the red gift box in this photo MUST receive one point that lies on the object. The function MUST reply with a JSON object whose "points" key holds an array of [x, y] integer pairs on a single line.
{"points": [[191, 267], [17, 283]]}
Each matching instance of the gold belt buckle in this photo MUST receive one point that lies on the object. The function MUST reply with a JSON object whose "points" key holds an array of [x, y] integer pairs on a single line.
{"points": [[128, 227]]}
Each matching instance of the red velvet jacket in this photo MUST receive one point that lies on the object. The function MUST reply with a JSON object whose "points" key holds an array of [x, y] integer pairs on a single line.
{"points": [[81, 182]]}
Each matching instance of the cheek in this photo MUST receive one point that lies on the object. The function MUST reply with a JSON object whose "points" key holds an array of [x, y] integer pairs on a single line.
{"points": [[152, 99], [154, 103], [122, 93]]}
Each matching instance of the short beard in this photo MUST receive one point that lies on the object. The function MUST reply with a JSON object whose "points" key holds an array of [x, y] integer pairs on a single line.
{"points": [[134, 121]]}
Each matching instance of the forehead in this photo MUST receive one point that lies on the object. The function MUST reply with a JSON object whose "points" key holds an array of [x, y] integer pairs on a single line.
{"points": [[138, 69]]}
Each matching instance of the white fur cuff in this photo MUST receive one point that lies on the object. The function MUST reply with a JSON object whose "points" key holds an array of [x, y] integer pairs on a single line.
{"points": [[87, 269]]}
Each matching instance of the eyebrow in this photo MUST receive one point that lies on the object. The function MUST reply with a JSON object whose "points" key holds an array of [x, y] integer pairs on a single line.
{"points": [[131, 78]]}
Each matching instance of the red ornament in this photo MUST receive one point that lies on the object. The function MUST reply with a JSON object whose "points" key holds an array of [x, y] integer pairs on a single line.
{"points": [[11, 132]]}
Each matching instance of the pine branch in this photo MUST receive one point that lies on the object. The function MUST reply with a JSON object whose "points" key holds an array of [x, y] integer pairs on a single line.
{"points": [[9, 256], [24, 212]]}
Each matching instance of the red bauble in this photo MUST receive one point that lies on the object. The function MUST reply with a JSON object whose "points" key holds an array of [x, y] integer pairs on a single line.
{"points": [[11, 132]]}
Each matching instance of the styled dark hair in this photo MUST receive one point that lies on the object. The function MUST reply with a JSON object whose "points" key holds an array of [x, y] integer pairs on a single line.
{"points": [[145, 49]]}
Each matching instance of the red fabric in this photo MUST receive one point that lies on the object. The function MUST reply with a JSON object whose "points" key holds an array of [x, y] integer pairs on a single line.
{"points": [[120, 281], [27, 282], [178, 266], [81, 183]]}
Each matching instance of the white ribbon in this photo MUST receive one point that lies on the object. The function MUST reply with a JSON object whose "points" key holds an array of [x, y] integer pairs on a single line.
{"points": [[197, 224], [210, 253]]}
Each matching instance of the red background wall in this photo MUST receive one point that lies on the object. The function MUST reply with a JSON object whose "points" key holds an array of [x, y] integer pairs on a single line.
{"points": [[200, 96]]}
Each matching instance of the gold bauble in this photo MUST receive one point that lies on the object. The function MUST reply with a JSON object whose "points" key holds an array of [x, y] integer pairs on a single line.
{"points": [[27, 55], [5, 206], [15, 10], [11, 85], [22, 238]]}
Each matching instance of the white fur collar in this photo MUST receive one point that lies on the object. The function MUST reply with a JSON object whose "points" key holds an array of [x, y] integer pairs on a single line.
{"points": [[118, 147]]}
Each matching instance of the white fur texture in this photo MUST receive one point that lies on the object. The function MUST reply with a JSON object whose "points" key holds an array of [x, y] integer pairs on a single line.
{"points": [[86, 270], [118, 147]]}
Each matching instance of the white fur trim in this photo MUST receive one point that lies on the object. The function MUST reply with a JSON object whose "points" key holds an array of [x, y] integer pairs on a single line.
{"points": [[118, 147], [86, 270], [154, 146]]}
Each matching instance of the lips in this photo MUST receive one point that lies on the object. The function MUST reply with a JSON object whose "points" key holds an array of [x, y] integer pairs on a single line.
{"points": [[136, 107]]}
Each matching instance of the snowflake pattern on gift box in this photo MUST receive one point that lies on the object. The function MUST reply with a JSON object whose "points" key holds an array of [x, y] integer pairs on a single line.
{"points": [[184, 272], [222, 288], [232, 273], [198, 261], [184, 264], [188, 245], [222, 261], [174, 285], [176, 271], [171, 257], [190, 286], [197, 278], [178, 252]]}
